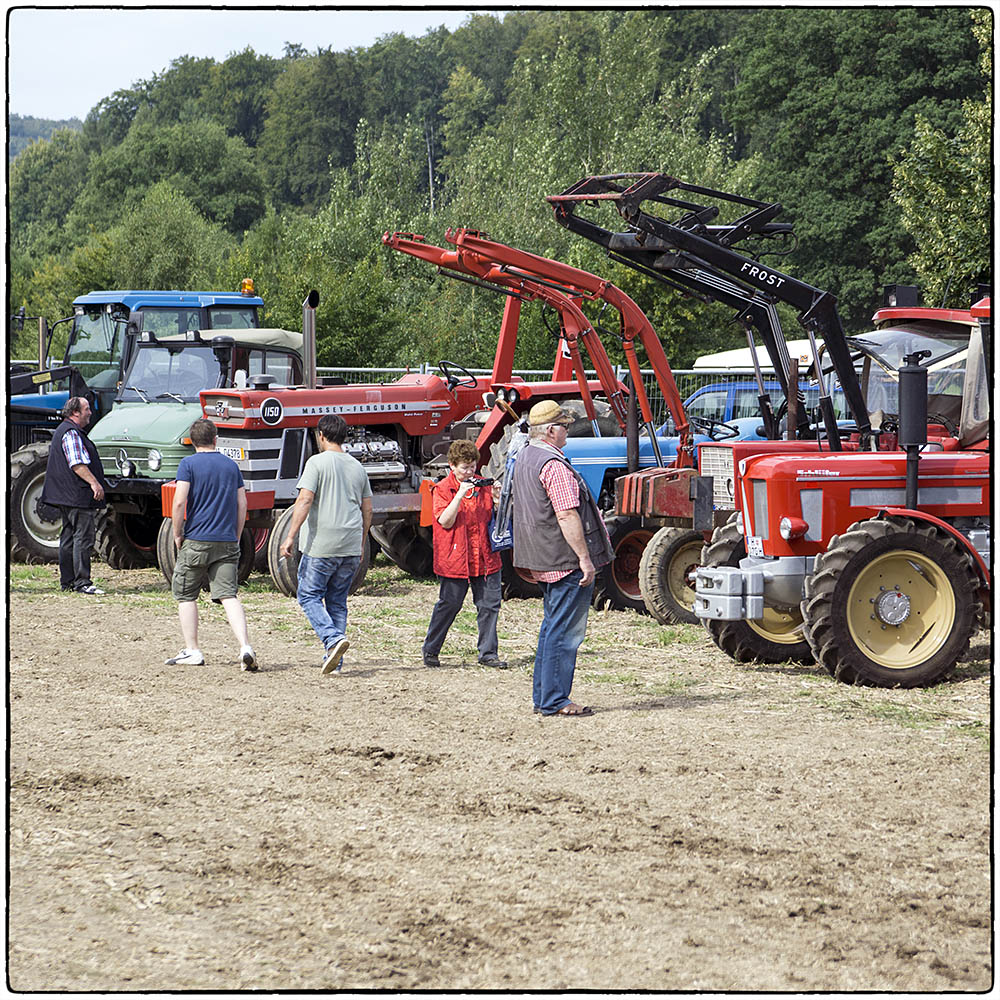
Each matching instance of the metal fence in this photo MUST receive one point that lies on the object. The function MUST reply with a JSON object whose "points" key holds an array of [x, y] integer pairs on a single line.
{"points": [[688, 380]]}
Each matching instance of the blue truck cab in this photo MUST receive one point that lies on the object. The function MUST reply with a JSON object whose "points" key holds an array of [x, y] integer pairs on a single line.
{"points": [[97, 339]]}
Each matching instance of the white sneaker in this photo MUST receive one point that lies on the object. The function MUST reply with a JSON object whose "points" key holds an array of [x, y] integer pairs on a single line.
{"points": [[248, 658], [187, 658], [331, 662]]}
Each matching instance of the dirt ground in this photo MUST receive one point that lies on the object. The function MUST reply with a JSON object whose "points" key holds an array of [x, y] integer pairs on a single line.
{"points": [[712, 827]]}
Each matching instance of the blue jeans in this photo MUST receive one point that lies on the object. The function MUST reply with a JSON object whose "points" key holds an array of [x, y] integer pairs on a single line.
{"points": [[564, 624], [322, 593]]}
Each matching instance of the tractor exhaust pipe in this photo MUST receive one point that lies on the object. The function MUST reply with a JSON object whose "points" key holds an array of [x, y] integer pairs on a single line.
{"points": [[913, 420], [309, 339]]}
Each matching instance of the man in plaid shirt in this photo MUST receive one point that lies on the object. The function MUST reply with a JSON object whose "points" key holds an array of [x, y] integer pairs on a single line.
{"points": [[74, 482], [560, 537]]}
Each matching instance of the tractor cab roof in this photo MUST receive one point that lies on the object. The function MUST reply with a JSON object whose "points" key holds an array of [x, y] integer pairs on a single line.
{"points": [[142, 298]]}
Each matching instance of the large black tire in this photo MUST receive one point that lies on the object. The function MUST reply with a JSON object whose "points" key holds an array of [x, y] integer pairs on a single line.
{"points": [[34, 527], [666, 575], [261, 536], [285, 572], [514, 584], [127, 541], [617, 584], [776, 638], [882, 571], [581, 427], [407, 544], [166, 553]]}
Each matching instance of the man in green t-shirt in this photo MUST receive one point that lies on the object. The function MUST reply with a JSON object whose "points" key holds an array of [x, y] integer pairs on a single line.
{"points": [[334, 508]]}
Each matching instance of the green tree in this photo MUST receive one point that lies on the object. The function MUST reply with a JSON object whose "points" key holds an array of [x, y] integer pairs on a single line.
{"points": [[467, 104], [163, 242], [109, 120], [826, 97], [215, 171], [44, 182], [179, 93], [236, 95], [312, 112], [942, 185]]}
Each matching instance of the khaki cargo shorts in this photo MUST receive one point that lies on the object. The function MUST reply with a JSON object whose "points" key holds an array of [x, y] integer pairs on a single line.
{"points": [[218, 562]]}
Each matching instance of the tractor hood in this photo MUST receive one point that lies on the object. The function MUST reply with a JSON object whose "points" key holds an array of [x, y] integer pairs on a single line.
{"points": [[153, 425]]}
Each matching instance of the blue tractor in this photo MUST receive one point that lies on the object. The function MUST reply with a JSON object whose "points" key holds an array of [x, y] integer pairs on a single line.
{"points": [[97, 351]]}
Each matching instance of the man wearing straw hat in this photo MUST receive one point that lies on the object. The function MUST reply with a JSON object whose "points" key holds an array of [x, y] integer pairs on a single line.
{"points": [[560, 537]]}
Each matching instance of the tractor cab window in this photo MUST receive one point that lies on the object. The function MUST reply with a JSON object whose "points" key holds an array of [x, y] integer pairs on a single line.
{"points": [[708, 404], [95, 346], [170, 322], [890, 345], [170, 372], [232, 317], [285, 368]]}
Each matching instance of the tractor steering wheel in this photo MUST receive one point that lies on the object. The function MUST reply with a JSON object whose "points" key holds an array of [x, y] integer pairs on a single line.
{"points": [[713, 428], [448, 369]]}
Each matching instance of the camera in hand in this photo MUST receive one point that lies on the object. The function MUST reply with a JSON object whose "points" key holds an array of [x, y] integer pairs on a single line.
{"points": [[481, 481]]}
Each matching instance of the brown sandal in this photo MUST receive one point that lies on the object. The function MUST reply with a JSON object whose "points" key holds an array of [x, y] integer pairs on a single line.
{"points": [[572, 710]]}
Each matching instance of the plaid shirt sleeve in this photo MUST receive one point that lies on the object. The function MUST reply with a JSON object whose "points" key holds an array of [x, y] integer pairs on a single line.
{"points": [[561, 486], [73, 449]]}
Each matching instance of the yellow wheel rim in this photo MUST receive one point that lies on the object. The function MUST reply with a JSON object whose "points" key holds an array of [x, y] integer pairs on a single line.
{"points": [[901, 609], [782, 627], [680, 573]]}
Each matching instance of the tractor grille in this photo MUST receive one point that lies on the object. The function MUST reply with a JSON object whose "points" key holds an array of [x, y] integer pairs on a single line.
{"points": [[717, 461]]}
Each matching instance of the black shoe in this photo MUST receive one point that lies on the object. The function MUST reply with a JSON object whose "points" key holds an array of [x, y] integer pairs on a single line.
{"points": [[431, 661], [494, 661]]}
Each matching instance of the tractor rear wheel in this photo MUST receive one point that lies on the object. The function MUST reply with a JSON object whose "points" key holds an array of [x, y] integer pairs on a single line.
{"points": [[127, 541], [285, 572], [666, 575], [617, 585], [407, 544], [775, 638], [166, 553], [35, 527], [891, 603], [261, 537]]}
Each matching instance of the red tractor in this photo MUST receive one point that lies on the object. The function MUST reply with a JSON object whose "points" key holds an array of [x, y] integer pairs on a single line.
{"points": [[401, 434], [864, 544]]}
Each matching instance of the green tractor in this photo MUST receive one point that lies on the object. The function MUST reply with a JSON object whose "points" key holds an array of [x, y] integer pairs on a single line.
{"points": [[142, 441]]}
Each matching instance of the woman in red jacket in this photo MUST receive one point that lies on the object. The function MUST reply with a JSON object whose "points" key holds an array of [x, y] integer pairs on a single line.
{"points": [[463, 557]]}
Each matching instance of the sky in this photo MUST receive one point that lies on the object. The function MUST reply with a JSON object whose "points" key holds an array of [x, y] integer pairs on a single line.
{"points": [[62, 61]]}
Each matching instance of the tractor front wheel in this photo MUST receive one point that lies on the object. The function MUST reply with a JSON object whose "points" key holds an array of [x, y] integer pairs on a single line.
{"points": [[618, 584], [891, 603], [126, 541], [666, 575], [775, 638]]}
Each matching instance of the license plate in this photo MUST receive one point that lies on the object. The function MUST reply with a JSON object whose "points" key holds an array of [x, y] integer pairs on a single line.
{"points": [[755, 547], [236, 454]]}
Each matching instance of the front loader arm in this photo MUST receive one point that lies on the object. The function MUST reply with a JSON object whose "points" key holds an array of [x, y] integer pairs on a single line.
{"points": [[711, 245]]}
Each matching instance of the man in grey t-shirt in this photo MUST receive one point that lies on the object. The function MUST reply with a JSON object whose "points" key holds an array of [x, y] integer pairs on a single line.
{"points": [[334, 509]]}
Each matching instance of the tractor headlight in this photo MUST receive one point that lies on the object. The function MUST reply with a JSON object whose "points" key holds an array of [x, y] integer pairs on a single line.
{"points": [[128, 468], [792, 527], [154, 460], [739, 521]]}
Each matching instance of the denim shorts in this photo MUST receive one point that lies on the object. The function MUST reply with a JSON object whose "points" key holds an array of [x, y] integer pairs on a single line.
{"points": [[218, 562]]}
